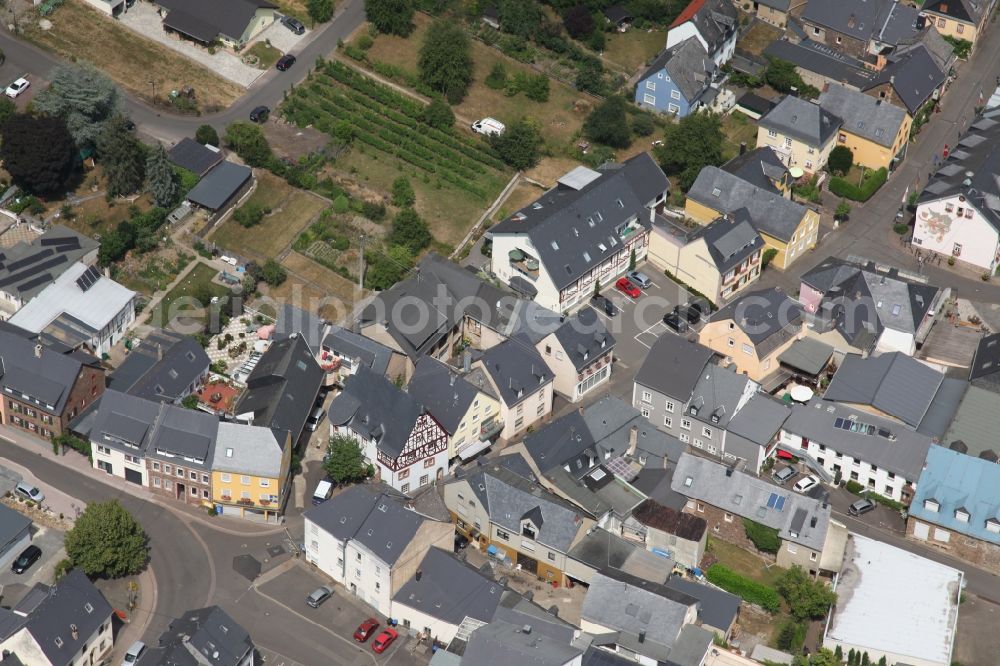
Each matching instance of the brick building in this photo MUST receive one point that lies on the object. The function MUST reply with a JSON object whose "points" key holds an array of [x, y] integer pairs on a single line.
{"points": [[180, 453]]}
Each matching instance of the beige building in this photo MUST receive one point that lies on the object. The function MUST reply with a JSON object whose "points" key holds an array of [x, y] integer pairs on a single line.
{"points": [[800, 132], [960, 19], [515, 374], [753, 331], [580, 352]]}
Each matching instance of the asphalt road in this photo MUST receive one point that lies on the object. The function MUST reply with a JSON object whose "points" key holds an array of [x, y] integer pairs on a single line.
{"points": [[22, 58]]}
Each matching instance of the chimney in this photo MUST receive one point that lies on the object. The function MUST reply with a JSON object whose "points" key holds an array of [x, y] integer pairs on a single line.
{"points": [[466, 362], [642, 635], [73, 631], [451, 379], [526, 629], [38, 350], [633, 435], [851, 20], [418, 575], [580, 410], [159, 352], [743, 147]]}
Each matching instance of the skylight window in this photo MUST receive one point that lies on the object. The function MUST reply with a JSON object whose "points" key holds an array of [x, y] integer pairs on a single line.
{"points": [[896, 309], [716, 192], [555, 245], [586, 256]]}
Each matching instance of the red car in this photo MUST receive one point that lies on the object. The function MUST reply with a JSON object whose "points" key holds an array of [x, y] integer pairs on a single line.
{"points": [[625, 286], [366, 630], [384, 640]]}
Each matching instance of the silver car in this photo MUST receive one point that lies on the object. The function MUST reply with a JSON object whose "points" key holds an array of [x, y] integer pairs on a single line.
{"points": [[318, 596], [640, 280], [29, 492]]}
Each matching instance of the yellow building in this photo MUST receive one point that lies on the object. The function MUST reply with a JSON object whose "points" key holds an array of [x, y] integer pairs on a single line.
{"points": [[961, 19], [251, 471], [800, 132], [874, 130], [789, 228], [469, 416], [752, 331]]}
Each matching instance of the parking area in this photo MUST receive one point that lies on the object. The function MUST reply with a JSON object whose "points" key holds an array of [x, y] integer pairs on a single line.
{"points": [[340, 615], [282, 38], [50, 541]]}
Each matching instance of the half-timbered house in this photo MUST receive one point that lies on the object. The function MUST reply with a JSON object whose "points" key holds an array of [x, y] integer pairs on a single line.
{"points": [[406, 445]]}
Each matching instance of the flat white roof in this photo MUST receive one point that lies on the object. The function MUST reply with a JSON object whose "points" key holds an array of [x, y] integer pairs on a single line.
{"points": [[95, 307], [891, 600]]}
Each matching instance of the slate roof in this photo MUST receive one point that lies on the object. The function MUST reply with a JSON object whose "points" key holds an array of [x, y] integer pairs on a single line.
{"points": [[247, 449], [673, 366], [65, 604], [375, 408], [977, 151], [754, 102], [449, 590], [682, 525], [864, 115], [760, 167], [716, 608], [914, 75], [985, 369], [163, 366], [47, 378], [977, 421], [378, 520], [769, 212], [296, 321], [12, 524], [800, 519], [618, 14], [184, 433], [958, 481], [883, 20], [884, 443], [730, 240], [559, 222], [760, 419], [803, 120], [630, 605], [716, 20], [445, 394], [507, 497], [205, 21], [823, 60], [505, 643], [203, 636], [717, 395], [895, 384], [600, 549], [515, 368], [767, 316], [968, 11], [584, 337], [220, 184], [355, 346], [28, 268], [282, 387], [689, 66], [809, 355], [124, 422], [193, 156]]}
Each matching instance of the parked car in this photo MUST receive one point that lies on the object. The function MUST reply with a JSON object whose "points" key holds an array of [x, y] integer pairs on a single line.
{"points": [[18, 87], [285, 61], [384, 640], [27, 557], [323, 490], [625, 286], [293, 24], [687, 313], [260, 114], [675, 322], [703, 307], [365, 630], [640, 280], [315, 419], [29, 492], [134, 653], [806, 484], [783, 474], [489, 126], [861, 507], [604, 305], [318, 596]]}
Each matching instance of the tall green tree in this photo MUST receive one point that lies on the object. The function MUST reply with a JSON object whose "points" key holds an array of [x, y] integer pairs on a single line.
{"points": [[520, 17], [206, 135], [161, 179], [39, 153], [608, 123], [320, 11], [107, 541], [249, 142], [690, 145], [841, 160], [123, 158], [520, 145], [393, 17], [273, 273], [410, 231], [84, 97], [387, 268], [579, 21], [807, 599], [445, 62], [345, 462], [438, 114]]}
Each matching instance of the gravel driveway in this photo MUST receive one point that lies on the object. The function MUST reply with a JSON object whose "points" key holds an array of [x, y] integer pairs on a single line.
{"points": [[143, 19]]}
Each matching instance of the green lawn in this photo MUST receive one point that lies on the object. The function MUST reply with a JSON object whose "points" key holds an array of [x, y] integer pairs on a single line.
{"points": [[744, 562], [635, 48], [737, 128], [267, 54], [179, 308]]}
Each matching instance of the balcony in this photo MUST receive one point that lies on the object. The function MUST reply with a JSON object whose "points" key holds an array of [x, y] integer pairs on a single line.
{"points": [[490, 428], [524, 264]]}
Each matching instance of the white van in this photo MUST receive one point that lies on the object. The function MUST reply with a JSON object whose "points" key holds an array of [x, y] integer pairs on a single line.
{"points": [[488, 126], [323, 491]]}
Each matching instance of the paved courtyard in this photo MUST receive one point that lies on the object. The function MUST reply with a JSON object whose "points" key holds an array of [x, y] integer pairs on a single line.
{"points": [[143, 19]]}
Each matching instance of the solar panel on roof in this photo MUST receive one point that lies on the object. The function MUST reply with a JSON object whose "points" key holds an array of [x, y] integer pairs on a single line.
{"points": [[27, 261], [772, 500], [88, 279], [36, 281], [780, 503], [839, 423], [62, 244], [34, 270]]}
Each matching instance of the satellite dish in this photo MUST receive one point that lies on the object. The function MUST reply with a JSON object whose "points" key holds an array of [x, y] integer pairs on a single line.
{"points": [[796, 172]]}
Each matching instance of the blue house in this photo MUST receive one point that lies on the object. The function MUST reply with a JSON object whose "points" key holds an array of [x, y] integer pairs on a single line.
{"points": [[679, 81]]}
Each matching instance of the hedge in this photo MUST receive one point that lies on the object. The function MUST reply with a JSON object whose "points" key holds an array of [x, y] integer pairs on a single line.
{"points": [[869, 185], [748, 590], [763, 537]]}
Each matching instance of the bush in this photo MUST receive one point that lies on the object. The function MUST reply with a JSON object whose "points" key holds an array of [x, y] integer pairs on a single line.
{"points": [[854, 487], [373, 210], [608, 123], [497, 78], [841, 160], [439, 115], [763, 537], [869, 185], [748, 590], [250, 214], [900, 228], [807, 599], [341, 204], [768, 256], [402, 193], [642, 124], [791, 636], [206, 135]]}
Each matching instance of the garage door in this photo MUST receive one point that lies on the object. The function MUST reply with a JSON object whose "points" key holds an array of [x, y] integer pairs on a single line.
{"points": [[133, 475], [921, 530]]}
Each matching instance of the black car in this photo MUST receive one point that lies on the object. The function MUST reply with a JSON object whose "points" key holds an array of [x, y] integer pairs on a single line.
{"points": [[293, 24], [689, 314], [675, 322], [285, 61], [26, 559], [703, 307], [260, 114], [604, 305]]}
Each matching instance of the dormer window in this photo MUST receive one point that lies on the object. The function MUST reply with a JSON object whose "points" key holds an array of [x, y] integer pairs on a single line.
{"points": [[961, 515], [528, 529], [993, 525], [693, 410], [932, 505]]}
